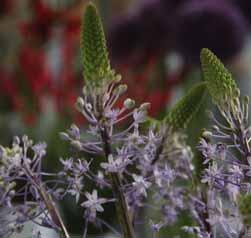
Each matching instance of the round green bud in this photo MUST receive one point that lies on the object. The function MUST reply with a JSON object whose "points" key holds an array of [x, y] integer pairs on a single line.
{"points": [[207, 134], [121, 89], [64, 136], [118, 78], [216, 128], [76, 144], [129, 103], [80, 104]]}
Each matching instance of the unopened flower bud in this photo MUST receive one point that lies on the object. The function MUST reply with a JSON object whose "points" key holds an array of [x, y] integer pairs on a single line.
{"points": [[80, 104], [118, 78], [64, 136], [145, 106], [236, 101], [11, 186], [236, 93], [246, 100], [207, 134], [120, 89], [84, 90], [16, 140], [88, 106], [129, 103], [216, 128], [74, 128], [12, 193], [76, 144]]}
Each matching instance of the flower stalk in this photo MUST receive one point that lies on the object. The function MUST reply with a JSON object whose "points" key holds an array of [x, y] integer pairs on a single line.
{"points": [[121, 205], [52, 209]]}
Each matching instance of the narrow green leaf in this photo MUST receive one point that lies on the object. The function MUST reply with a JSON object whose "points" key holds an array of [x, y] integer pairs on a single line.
{"points": [[185, 109]]}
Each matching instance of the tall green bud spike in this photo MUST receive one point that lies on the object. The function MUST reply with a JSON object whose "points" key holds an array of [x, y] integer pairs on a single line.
{"points": [[219, 80], [93, 48], [185, 109]]}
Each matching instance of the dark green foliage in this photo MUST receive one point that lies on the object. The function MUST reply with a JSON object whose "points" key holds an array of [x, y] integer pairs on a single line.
{"points": [[245, 208], [185, 109], [219, 81], [93, 48]]}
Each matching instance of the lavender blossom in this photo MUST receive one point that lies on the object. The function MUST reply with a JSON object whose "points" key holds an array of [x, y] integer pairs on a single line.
{"points": [[226, 149], [20, 165], [93, 205]]}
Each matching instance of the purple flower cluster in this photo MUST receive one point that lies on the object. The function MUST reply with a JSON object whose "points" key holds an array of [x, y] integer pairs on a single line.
{"points": [[147, 165], [145, 168], [226, 153], [22, 179]]}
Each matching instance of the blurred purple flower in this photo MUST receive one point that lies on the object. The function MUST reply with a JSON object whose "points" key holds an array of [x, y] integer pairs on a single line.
{"points": [[245, 8], [124, 38], [154, 26], [143, 34], [212, 24], [172, 5]]}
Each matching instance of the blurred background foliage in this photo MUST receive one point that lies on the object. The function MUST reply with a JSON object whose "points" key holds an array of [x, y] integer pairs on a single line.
{"points": [[154, 44]]}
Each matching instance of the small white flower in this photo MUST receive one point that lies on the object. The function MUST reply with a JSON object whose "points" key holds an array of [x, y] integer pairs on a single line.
{"points": [[140, 184], [93, 203]]}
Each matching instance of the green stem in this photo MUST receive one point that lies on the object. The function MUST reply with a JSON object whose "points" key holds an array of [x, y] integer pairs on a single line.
{"points": [[53, 211], [121, 205]]}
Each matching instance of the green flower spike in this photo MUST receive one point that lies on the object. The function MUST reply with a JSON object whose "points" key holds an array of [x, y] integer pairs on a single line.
{"points": [[93, 49], [185, 109], [219, 81]]}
